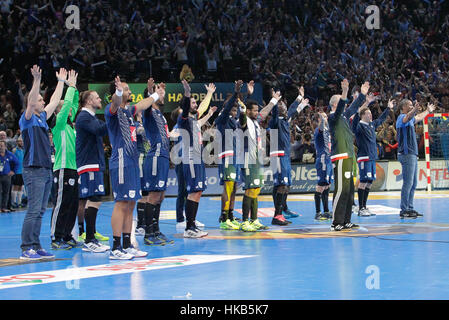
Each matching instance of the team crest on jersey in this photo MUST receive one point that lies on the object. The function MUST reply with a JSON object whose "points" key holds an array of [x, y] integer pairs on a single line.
{"points": [[200, 184], [233, 175], [101, 188], [347, 174], [285, 179], [72, 182], [369, 174], [55, 180], [256, 181], [161, 183], [132, 193], [84, 190]]}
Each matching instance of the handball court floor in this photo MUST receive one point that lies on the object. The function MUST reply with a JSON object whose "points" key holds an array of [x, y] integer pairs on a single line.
{"points": [[387, 258]]}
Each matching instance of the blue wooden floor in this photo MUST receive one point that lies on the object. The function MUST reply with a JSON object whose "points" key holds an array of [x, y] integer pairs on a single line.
{"points": [[389, 263]]}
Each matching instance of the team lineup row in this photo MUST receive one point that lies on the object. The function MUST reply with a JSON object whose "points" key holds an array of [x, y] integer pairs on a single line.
{"points": [[140, 159]]}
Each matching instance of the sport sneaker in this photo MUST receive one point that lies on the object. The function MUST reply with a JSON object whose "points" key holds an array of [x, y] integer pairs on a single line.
{"points": [[30, 255], [181, 225], [228, 225], [120, 254], [247, 227], [337, 227], [259, 226], [288, 214], [162, 237], [152, 240], [351, 225], [140, 231], [370, 212], [327, 215], [74, 244], [60, 245], [408, 214], [320, 216], [236, 222], [136, 253], [95, 246], [417, 213], [279, 220], [82, 237], [199, 224], [44, 254], [101, 237], [194, 233], [364, 213]]}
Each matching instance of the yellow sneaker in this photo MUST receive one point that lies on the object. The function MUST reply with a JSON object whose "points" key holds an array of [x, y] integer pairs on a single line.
{"points": [[82, 237], [259, 226], [100, 237]]}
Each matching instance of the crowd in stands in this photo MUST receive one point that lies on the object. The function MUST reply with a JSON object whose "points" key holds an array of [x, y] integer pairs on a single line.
{"points": [[281, 44]]}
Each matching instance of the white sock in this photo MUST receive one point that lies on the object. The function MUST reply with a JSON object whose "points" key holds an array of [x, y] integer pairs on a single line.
{"points": [[19, 197], [13, 197]]}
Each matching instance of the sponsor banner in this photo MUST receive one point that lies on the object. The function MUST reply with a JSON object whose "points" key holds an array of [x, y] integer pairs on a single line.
{"points": [[174, 93], [438, 170], [71, 273]]}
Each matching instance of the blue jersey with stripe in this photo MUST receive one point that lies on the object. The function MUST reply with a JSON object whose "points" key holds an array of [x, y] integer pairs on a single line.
{"points": [[119, 156], [322, 141], [225, 122], [406, 136], [282, 124], [36, 141], [19, 155], [156, 130], [193, 129]]}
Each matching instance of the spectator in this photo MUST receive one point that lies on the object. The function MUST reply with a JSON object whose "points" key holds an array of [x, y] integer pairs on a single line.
{"points": [[17, 179], [8, 163], [307, 152]]}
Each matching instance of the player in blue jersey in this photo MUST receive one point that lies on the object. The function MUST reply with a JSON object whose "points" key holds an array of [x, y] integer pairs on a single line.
{"points": [[193, 166], [156, 166], [365, 134], [323, 165], [228, 169], [124, 165], [280, 156]]}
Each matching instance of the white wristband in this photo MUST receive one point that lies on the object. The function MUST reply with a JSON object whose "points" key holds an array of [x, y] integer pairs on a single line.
{"points": [[274, 101], [118, 93], [155, 96]]}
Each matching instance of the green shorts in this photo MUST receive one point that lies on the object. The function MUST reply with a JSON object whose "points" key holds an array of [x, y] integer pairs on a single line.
{"points": [[252, 177]]}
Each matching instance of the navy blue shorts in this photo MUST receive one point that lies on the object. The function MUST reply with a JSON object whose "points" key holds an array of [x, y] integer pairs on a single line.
{"points": [[155, 171], [324, 170], [282, 171], [125, 183], [195, 177], [367, 171], [91, 184]]}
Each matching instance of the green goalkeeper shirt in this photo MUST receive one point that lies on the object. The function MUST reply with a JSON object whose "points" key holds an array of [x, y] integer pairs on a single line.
{"points": [[64, 133]]}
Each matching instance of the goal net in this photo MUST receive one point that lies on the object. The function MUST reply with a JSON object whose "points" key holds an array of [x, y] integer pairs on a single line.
{"points": [[436, 143]]}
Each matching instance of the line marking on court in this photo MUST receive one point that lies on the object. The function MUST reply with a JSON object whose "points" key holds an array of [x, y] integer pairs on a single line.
{"points": [[69, 274]]}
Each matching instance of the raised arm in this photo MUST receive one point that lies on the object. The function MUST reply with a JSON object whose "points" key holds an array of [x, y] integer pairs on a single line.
{"points": [[343, 99], [206, 101], [204, 119], [147, 102], [33, 96], [357, 103], [57, 95], [384, 114], [70, 100], [230, 103], [116, 99], [422, 115], [267, 109]]}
